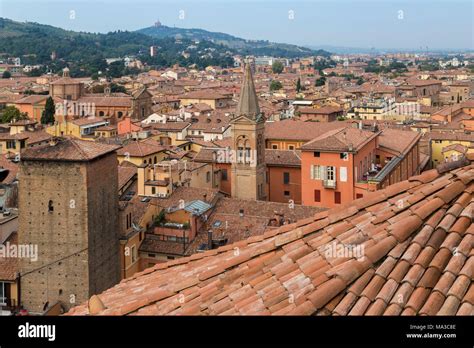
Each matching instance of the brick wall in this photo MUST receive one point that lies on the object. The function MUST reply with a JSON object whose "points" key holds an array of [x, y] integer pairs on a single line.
{"points": [[78, 240]]}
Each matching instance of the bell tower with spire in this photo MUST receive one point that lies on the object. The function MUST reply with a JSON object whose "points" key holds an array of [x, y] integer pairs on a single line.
{"points": [[248, 144]]}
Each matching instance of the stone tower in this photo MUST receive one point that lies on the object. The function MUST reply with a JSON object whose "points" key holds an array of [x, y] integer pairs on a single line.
{"points": [[68, 203], [248, 144]]}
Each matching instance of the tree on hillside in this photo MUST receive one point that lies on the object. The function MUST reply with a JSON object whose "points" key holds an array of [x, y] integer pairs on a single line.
{"points": [[277, 67], [275, 85], [6, 74], [320, 82], [47, 117], [11, 113], [298, 85]]}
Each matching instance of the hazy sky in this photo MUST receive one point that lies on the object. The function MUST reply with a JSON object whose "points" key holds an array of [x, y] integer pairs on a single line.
{"points": [[407, 24]]}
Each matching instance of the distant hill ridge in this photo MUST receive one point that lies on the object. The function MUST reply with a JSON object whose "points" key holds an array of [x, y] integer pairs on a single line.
{"points": [[258, 47]]}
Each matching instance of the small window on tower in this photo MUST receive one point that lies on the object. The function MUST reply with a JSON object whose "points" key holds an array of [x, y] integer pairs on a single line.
{"points": [[50, 207]]}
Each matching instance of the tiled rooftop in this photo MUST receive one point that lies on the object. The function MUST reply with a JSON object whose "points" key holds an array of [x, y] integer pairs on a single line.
{"points": [[68, 150], [416, 242]]}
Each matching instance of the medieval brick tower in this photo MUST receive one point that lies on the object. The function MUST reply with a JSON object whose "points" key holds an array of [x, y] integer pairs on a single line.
{"points": [[68, 203], [248, 144]]}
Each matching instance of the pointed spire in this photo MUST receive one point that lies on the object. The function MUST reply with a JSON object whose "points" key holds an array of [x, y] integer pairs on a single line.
{"points": [[248, 101]]}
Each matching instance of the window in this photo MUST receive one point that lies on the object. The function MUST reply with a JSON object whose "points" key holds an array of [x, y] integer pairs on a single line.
{"points": [[11, 144], [247, 155], [153, 190], [344, 156], [316, 172], [317, 195], [50, 207], [101, 113], [134, 253], [286, 193], [3, 294], [224, 175], [120, 114], [337, 197], [330, 173], [316, 154], [286, 178], [170, 257], [274, 147], [359, 195], [208, 176], [240, 154], [291, 147], [343, 174]]}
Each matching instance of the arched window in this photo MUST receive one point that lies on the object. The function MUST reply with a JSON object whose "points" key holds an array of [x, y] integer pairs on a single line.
{"points": [[240, 149], [120, 114], [248, 153], [101, 113]]}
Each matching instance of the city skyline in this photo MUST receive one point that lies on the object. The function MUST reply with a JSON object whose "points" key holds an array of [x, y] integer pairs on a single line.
{"points": [[369, 25]]}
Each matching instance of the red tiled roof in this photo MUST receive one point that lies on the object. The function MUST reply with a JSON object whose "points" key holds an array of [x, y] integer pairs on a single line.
{"points": [[68, 150], [298, 130], [140, 148], [343, 139], [416, 238], [10, 266], [325, 110]]}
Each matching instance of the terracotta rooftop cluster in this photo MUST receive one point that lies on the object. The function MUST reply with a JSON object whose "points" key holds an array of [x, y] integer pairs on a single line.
{"points": [[415, 242]]}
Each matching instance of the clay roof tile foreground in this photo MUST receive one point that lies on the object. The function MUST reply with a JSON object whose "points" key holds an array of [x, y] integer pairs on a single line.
{"points": [[404, 250]]}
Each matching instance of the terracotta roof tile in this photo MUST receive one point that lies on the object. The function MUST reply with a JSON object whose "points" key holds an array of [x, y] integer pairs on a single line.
{"points": [[424, 258], [417, 298], [430, 278], [451, 191], [426, 176], [360, 306], [466, 309], [433, 303], [386, 267], [441, 259], [399, 271], [373, 287], [414, 275], [377, 308], [417, 260], [450, 306], [404, 228], [460, 287]]}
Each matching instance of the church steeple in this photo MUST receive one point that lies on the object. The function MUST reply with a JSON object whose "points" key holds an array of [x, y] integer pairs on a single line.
{"points": [[248, 144], [248, 100]]}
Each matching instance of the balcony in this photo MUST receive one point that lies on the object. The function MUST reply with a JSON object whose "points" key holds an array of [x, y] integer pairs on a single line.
{"points": [[331, 184]]}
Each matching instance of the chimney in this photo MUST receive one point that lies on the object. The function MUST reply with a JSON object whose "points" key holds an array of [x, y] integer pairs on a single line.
{"points": [[278, 218], [209, 240]]}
